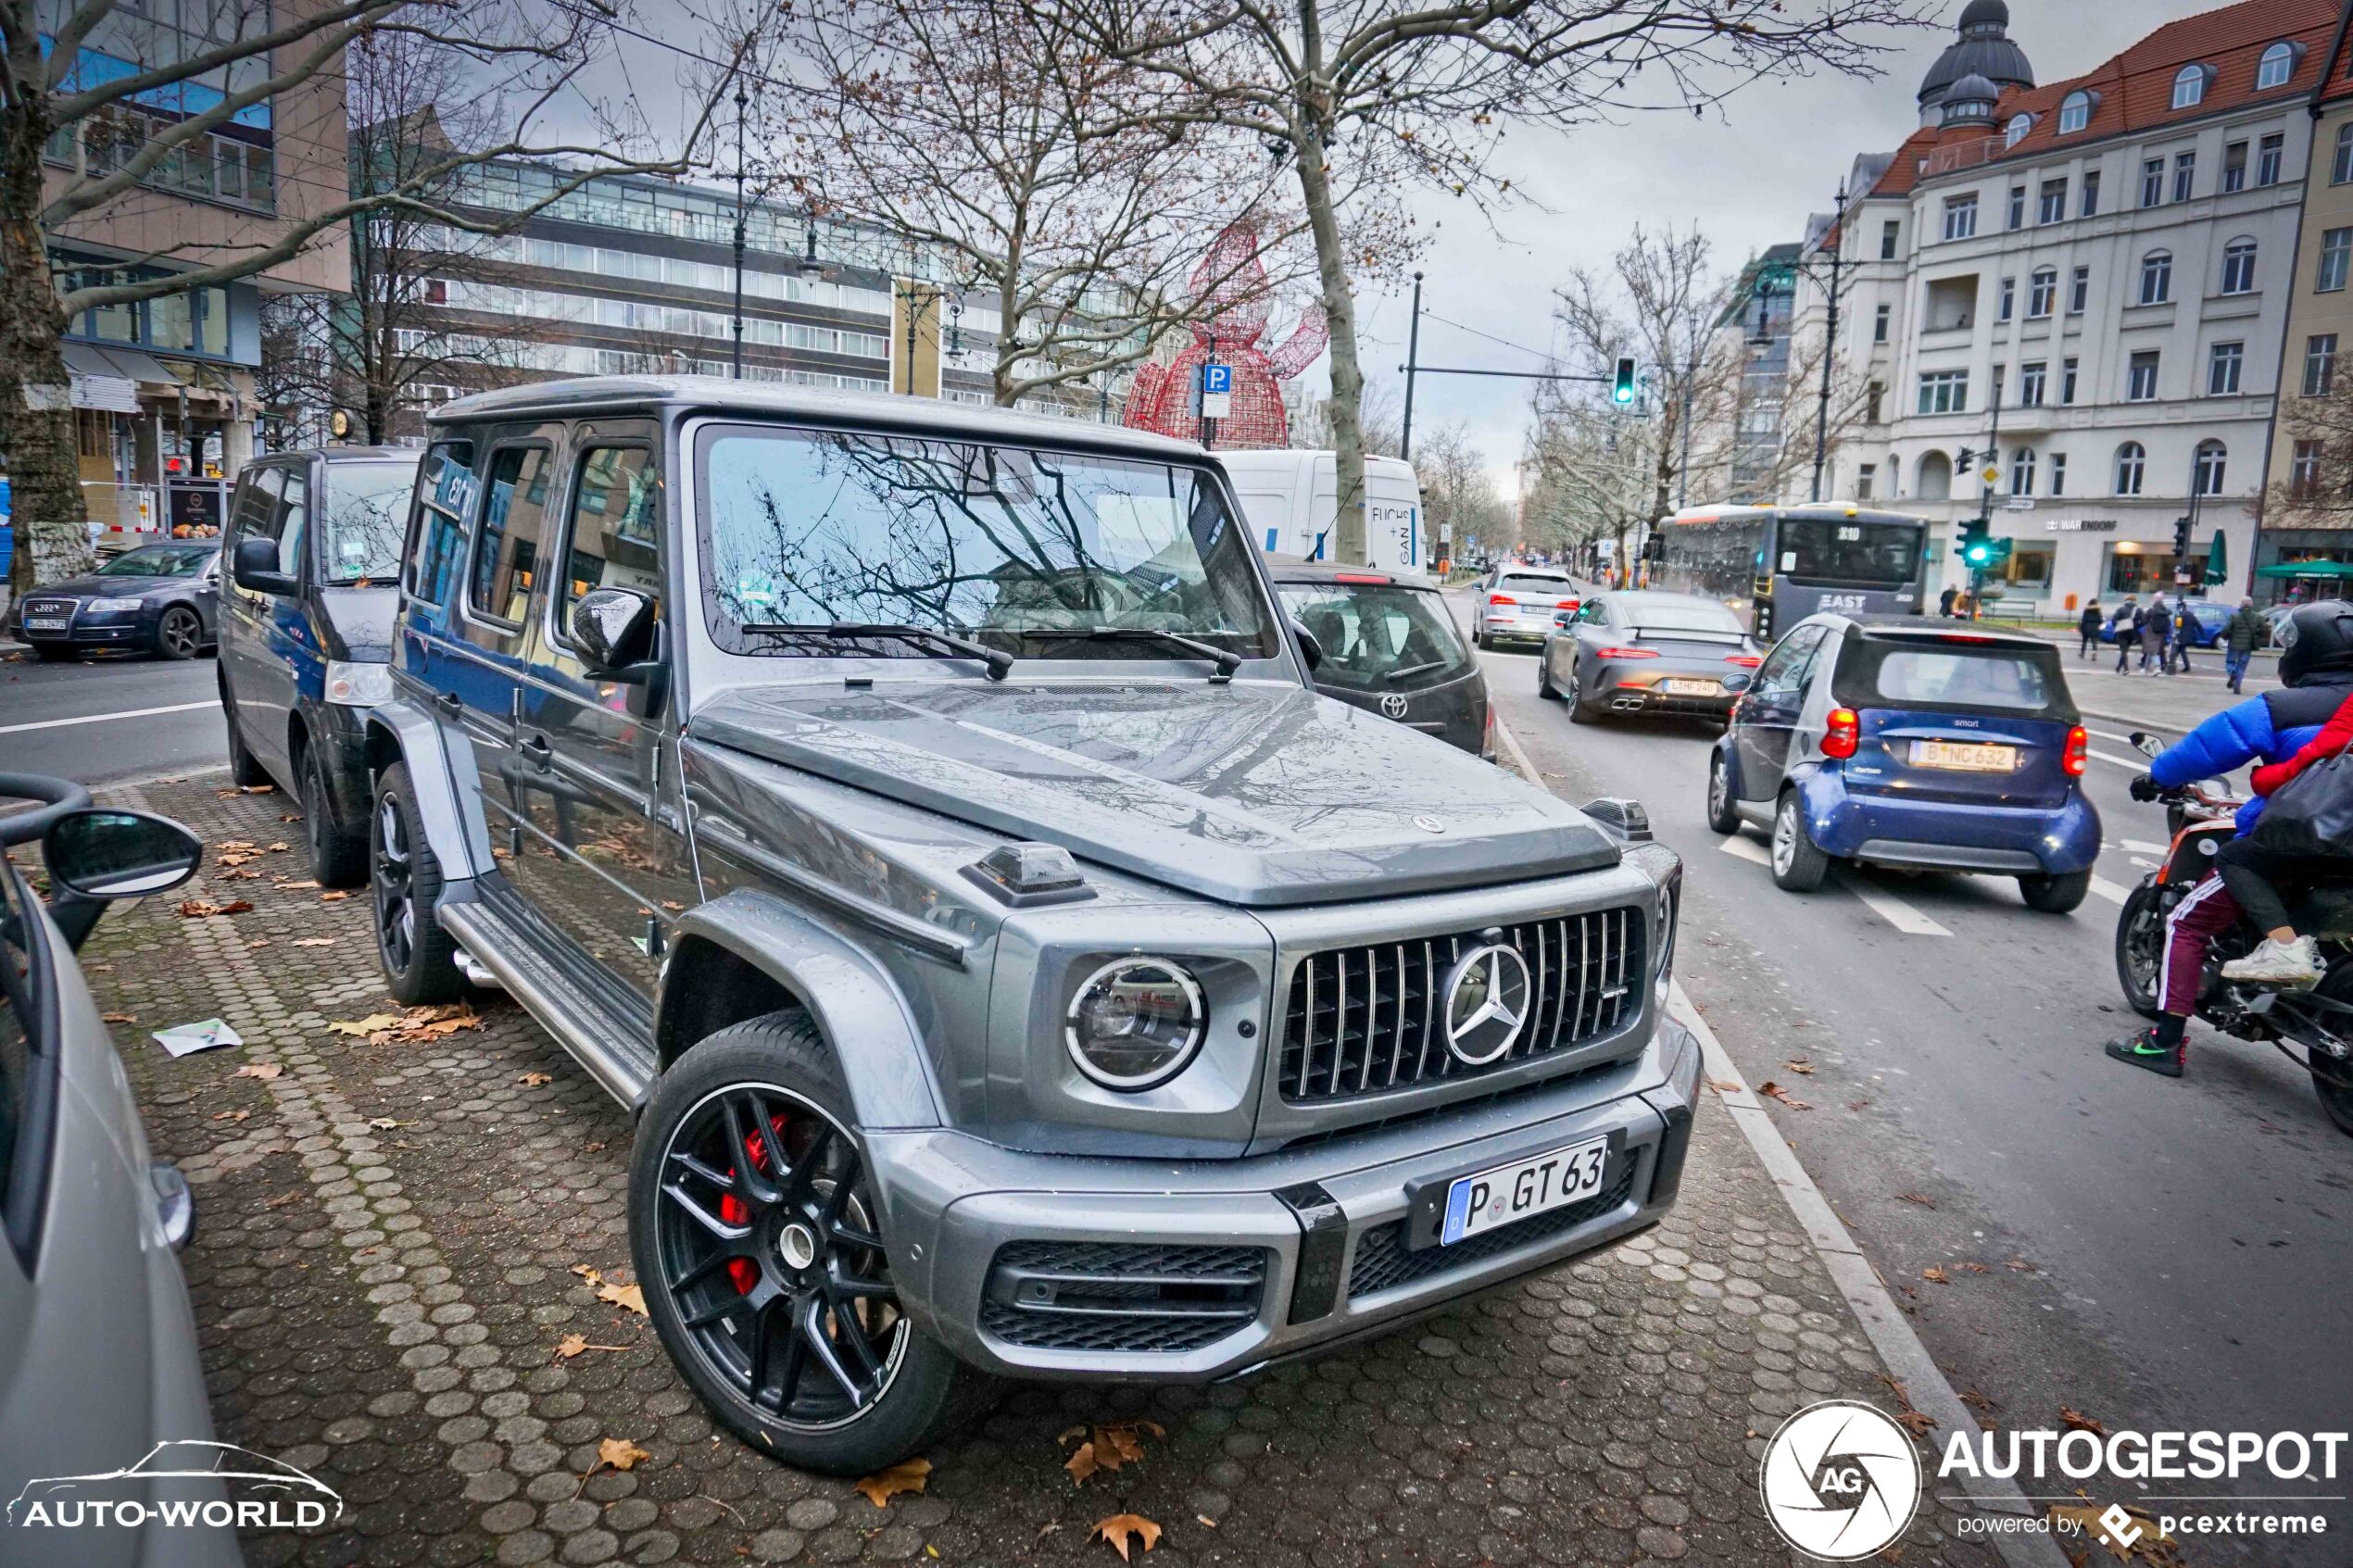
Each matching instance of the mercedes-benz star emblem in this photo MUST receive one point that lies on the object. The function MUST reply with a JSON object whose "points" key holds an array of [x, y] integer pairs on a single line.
{"points": [[1429, 824], [1487, 1001], [1392, 705]]}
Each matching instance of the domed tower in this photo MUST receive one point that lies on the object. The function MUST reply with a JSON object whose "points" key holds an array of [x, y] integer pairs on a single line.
{"points": [[1983, 49], [1969, 103]]}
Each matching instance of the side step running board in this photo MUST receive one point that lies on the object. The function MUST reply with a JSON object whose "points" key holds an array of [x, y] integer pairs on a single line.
{"points": [[476, 974], [601, 1040]]}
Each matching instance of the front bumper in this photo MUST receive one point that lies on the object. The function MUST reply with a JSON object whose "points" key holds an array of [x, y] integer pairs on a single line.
{"points": [[981, 1234], [91, 630], [1950, 835]]}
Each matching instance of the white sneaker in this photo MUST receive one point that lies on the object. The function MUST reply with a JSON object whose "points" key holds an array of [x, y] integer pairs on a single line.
{"points": [[2278, 963]]}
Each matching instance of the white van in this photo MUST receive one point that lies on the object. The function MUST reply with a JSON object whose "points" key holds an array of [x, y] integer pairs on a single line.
{"points": [[1289, 498]]}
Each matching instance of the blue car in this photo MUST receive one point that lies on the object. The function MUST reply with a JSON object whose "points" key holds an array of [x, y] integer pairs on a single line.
{"points": [[1900, 741], [2208, 623]]}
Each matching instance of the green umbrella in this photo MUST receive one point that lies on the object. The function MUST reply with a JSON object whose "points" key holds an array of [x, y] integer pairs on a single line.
{"points": [[2218, 560], [2308, 568]]}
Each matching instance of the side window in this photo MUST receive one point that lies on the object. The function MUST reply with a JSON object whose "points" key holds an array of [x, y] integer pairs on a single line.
{"points": [[506, 546], [1595, 613], [1784, 668], [253, 514], [613, 537], [445, 495], [294, 515]]}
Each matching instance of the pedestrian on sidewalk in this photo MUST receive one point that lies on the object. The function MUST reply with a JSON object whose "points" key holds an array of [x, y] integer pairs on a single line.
{"points": [[2090, 627], [2239, 638], [1944, 602], [2126, 625], [2153, 625], [2186, 631]]}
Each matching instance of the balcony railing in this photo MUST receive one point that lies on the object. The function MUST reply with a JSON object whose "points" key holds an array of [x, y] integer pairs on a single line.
{"points": [[207, 167], [1964, 155]]}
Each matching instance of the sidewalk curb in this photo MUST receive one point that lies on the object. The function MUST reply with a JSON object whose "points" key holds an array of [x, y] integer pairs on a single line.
{"points": [[1908, 1361]]}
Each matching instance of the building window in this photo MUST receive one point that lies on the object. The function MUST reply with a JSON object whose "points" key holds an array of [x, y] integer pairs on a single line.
{"points": [[2075, 113], [1887, 234], [2058, 473], [2153, 181], [2032, 377], [2022, 471], [2019, 125], [1871, 400], [2156, 277], [2320, 365], [2189, 87], [1864, 477], [2336, 250], [1944, 391], [2235, 167], [2042, 294], [2185, 175], [2341, 168], [1960, 217], [2223, 367], [2268, 153], [2067, 380], [2132, 463], [2238, 268], [2304, 470], [2009, 299], [2051, 208], [2079, 292], [2276, 66], [2018, 206], [1880, 320], [2212, 458], [2090, 207], [2141, 383]]}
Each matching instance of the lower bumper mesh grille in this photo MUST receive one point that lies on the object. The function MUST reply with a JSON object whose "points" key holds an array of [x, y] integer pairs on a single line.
{"points": [[1120, 1296], [1382, 1262]]}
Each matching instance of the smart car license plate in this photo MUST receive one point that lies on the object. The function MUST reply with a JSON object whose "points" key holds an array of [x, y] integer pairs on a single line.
{"points": [[47, 622], [1487, 1200], [1674, 687], [1964, 757]]}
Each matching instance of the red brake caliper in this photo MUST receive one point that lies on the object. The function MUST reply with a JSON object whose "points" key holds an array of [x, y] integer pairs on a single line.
{"points": [[743, 1270]]}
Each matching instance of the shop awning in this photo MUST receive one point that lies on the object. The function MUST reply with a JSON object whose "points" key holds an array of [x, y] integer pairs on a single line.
{"points": [[2308, 568], [97, 382]]}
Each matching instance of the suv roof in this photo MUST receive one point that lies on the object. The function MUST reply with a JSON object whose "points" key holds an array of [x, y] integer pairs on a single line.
{"points": [[343, 454], [933, 416]]}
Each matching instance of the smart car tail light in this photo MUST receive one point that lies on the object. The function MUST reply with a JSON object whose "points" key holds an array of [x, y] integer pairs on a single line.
{"points": [[2077, 753], [1844, 732]]}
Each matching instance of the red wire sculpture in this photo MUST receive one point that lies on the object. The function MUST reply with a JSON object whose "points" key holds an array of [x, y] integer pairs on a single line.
{"points": [[1232, 280]]}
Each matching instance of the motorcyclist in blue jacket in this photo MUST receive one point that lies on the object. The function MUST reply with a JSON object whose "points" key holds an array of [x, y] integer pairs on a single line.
{"points": [[2315, 674]]}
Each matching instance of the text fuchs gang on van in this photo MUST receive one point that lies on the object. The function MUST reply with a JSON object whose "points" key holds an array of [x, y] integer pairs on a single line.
{"points": [[184, 1484]]}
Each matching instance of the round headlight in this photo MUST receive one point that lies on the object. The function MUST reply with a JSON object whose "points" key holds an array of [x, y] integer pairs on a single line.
{"points": [[1135, 1022]]}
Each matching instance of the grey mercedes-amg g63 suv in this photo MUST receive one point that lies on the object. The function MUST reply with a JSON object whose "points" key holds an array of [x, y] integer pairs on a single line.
{"points": [[920, 816]]}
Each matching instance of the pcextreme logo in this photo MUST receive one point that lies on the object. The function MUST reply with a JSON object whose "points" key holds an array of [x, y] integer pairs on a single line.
{"points": [[183, 1484]]}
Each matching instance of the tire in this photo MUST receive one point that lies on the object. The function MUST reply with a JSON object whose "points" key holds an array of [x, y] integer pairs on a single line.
{"points": [[1544, 688], [245, 768], [1579, 710], [2140, 950], [728, 1307], [1723, 811], [2055, 895], [2336, 1101], [179, 633], [417, 955], [1798, 865], [338, 849]]}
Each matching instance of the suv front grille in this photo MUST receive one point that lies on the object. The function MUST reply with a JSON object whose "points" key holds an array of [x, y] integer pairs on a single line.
{"points": [[1120, 1296], [1382, 1262], [1361, 1020]]}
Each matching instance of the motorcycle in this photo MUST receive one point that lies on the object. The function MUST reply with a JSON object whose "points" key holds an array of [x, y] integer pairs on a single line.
{"points": [[2318, 1021]]}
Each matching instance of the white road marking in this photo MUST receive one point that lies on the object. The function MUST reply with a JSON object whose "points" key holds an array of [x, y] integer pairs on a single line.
{"points": [[2138, 764], [1892, 910], [1747, 849], [2142, 846], [102, 717], [2114, 893]]}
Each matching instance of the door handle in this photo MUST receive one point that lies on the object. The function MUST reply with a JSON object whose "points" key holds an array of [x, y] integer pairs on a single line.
{"points": [[539, 751]]}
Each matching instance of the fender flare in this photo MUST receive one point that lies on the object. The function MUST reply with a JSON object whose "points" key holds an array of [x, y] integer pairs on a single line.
{"points": [[858, 1008], [454, 826], [1730, 754]]}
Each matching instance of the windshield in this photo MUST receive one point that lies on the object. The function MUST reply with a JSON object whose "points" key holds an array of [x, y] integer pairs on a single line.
{"points": [[1885, 555], [1024, 551], [1376, 638], [160, 560], [367, 514], [1679, 615]]}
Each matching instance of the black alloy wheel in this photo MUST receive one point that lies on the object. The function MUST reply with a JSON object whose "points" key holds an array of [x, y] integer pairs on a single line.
{"points": [[403, 878], [179, 633]]}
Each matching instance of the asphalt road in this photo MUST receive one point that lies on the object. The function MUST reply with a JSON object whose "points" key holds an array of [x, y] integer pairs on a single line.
{"points": [[111, 719], [2179, 1247]]}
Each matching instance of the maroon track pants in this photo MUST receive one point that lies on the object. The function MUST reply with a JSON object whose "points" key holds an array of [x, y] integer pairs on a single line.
{"points": [[2207, 912]]}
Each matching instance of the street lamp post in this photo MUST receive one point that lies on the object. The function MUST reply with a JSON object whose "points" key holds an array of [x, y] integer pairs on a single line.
{"points": [[742, 102], [1412, 356], [1830, 341]]}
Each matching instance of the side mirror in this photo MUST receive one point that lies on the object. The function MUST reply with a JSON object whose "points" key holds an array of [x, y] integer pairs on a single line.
{"points": [[1626, 819], [256, 567], [1309, 648], [613, 629], [1739, 682], [95, 856], [2147, 745]]}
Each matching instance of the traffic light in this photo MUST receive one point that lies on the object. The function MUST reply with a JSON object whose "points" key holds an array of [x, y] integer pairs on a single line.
{"points": [[1622, 390], [2181, 536], [1976, 548]]}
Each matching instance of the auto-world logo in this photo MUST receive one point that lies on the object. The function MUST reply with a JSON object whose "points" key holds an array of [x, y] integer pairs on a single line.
{"points": [[183, 1484], [1841, 1480]]}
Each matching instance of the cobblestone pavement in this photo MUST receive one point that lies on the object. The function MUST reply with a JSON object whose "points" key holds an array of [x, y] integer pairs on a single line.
{"points": [[387, 1258]]}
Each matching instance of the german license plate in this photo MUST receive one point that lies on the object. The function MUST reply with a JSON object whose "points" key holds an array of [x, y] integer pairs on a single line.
{"points": [[1964, 757], [1674, 687], [47, 622], [1489, 1199]]}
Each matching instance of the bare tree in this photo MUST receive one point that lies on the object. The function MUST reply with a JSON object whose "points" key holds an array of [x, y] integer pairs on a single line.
{"points": [[1379, 423], [1460, 501], [80, 145], [2317, 490], [1385, 95]]}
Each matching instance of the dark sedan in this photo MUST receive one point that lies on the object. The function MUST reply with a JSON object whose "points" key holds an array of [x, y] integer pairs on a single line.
{"points": [[162, 600], [1388, 646], [1639, 652]]}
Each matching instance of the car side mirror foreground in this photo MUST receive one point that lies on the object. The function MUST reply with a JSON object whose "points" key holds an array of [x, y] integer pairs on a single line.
{"points": [[1740, 682], [613, 629], [256, 567], [97, 856], [1309, 648]]}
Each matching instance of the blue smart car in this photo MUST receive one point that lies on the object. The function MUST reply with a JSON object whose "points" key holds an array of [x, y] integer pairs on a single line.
{"points": [[1900, 741]]}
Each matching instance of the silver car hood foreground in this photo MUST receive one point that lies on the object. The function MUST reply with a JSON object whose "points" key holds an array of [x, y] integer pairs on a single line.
{"points": [[1253, 793]]}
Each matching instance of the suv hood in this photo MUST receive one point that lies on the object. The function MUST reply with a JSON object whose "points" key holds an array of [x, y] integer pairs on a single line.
{"points": [[360, 619], [1253, 793]]}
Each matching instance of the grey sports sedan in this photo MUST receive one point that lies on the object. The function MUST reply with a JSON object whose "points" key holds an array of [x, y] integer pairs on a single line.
{"points": [[1642, 652]]}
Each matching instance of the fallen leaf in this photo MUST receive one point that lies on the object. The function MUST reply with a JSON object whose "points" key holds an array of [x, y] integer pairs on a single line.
{"points": [[386, 1123], [629, 1296], [1722, 1087], [263, 1069], [1919, 1425], [1205, 1519], [673, 905], [1106, 1447], [197, 908], [910, 1476], [230, 1115], [592, 1148], [2068, 1416], [314, 941], [1919, 1197], [258, 789], [368, 1025], [1801, 1066], [1970, 1397], [620, 1454], [335, 897], [1936, 1277], [572, 1345], [1120, 1527], [280, 848], [303, 886], [533, 1080], [117, 1017], [1774, 1091], [2020, 1265], [258, 942], [1977, 1268]]}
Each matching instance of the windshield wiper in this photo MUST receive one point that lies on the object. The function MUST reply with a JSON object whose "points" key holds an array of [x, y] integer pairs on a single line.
{"points": [[1227, 663], [1413, 669], [1000, 662]]}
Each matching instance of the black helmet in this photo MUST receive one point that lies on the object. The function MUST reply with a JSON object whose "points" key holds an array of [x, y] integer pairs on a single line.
{"points": [[2314, 640]]}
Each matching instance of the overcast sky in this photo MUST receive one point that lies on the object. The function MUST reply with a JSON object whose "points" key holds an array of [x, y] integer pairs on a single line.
{"points": [[1748, 178]]}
